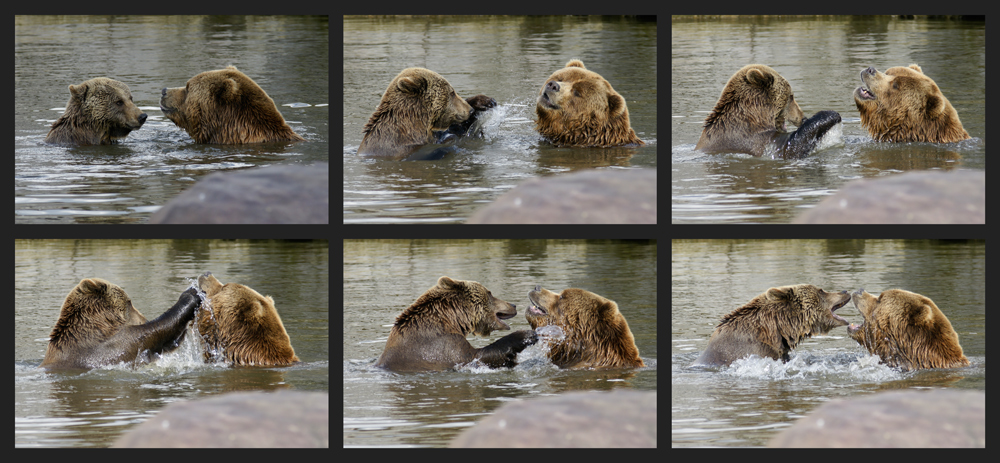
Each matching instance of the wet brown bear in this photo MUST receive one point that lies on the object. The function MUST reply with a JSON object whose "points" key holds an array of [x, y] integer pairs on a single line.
{"points": [[773, 323], [578, 107], [241, 327], [906, 330], [430, 333], [751, 113], [225, 107], [904, 105], [596, 334], [98, 325], [418, 108], [100, 112]]}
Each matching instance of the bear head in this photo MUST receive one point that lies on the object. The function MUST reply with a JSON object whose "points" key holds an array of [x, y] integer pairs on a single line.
{"points": [[94, 310], [460, 306], [595, 333], [904, 105], [225, 107], [578, 107], [804, 309], [241, 326], [100, 111], [417, 103], [906, 330], [758, 98]]}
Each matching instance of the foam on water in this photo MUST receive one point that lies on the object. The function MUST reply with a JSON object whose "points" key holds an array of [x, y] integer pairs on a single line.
{"points": [[810, 367]]}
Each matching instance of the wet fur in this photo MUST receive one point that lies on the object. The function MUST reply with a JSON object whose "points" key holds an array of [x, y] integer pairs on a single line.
{"points": [[772, 324], [100, 111], [590, 112], [907, 330], [908, 107], [596, 333]]}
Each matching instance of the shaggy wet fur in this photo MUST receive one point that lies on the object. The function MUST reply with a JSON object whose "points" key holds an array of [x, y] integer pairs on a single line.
{"points": [[225, 107], [773, 323], [904, 105], [98, 326], [431, 333], [100, 111], [596, 333], [578, 107], [751, 113], [906, 330], [242, 327], [417, 103]]}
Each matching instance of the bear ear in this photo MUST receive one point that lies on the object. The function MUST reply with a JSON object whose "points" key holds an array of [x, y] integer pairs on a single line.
{"points": [[575, 63], [757, 78], [934, 107], [616, 105], [447, 283], [79, 91], [915, 67], [412, 84], [777, 294], [91, 285]]}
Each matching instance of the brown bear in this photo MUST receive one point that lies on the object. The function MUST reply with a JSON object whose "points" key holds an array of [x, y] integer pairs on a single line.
{"points": [[419, 113], [595, 334], [100, 112], [98, 325], [750, 118], [773, 323], [904, 105], [430, 333], [578, 107], [906, 330], [241, 327], [225, 107]]}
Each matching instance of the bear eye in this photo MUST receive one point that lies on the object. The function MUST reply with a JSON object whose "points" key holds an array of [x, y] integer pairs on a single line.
{"points": [[120, 102]]}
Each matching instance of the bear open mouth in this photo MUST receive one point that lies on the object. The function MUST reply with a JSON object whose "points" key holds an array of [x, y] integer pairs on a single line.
{"points": [[865, 93], [838, 317], [546, 102], [536, 310]]}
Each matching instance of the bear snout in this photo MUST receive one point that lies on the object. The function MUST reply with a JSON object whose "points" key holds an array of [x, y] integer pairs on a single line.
{"points": [[552, 85], [142, 118]]}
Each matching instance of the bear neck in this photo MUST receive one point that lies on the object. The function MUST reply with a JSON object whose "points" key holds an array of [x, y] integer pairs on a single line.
{"points": [[430, 313]]}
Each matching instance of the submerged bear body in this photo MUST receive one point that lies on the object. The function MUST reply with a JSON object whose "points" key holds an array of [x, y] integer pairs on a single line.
{"points": [[99, 326], [100, 111], [225, 107], [773, 323], [578, 107], [904, 105], [750, 117], [906, 330], [431, 333]]}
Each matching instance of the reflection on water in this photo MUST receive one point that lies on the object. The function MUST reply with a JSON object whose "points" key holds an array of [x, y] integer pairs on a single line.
{"points": [[746, 403], [92, 408], [127, 182], [509, 59], [822, 59]]}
